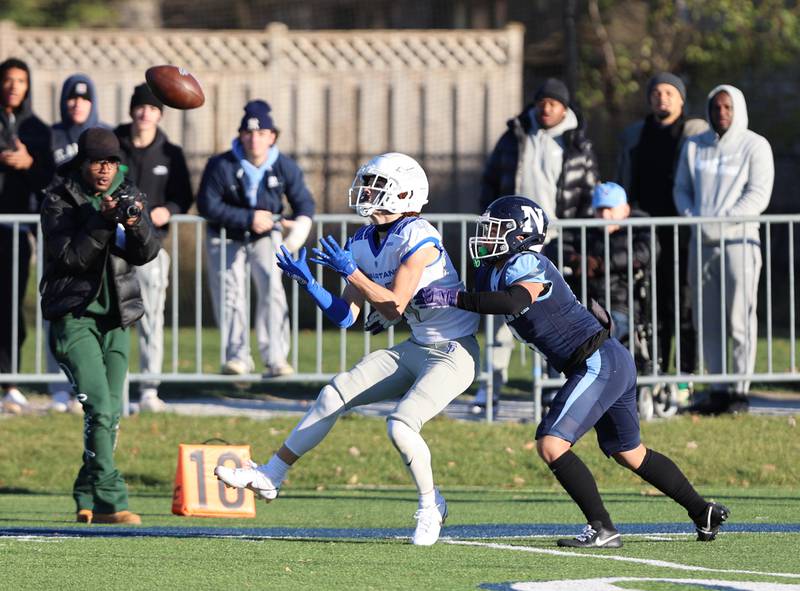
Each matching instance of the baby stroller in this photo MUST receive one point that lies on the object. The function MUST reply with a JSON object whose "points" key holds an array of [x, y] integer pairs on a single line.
{"points": [[653, 400]]}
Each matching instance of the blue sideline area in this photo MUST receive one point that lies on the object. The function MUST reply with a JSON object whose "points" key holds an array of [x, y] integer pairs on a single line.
{"points": [[490, 531]]}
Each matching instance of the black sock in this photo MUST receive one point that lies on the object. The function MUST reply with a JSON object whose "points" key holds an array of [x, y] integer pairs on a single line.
{"points": [[579, 483], [661, 472]]}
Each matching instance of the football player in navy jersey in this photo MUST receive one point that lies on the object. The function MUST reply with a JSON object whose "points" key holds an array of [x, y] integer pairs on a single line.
{"points": [[542, 311]]}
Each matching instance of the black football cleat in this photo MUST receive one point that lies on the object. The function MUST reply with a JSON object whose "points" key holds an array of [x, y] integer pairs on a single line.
{"points": [[593, 536], [710, 520]]}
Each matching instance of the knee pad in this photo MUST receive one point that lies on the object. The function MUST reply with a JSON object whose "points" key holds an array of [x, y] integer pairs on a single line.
{"points": [[328, 401], [405, 439]]}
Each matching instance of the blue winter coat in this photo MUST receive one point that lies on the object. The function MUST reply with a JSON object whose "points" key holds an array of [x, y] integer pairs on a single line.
{"points": [[222, 198]]}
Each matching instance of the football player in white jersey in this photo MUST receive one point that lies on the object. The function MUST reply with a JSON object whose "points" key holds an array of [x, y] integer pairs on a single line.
{"points": [[385, 264]]}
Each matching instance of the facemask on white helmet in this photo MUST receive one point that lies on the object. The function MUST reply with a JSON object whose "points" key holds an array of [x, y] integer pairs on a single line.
{"points": [[390, 182]]}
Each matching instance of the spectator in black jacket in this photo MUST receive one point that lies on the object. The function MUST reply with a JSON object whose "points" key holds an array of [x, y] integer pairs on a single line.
{"points": [[610, 202], [79, 112], [91, 297], [648, 157], [26, 165], [546, 156], [159, 169]]}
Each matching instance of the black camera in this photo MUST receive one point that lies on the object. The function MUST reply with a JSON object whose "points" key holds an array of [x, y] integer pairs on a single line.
{"points": [[127, 208]]}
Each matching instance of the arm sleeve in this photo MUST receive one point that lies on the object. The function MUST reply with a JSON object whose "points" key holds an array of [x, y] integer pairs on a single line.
{"points": [[511, 301], [335, 308], [210, 202]]}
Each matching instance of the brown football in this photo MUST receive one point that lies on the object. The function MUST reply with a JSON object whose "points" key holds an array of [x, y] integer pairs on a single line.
{"points": [[175, 87]]}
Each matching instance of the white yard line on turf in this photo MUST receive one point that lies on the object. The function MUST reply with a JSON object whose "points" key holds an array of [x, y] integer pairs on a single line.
{"points": [[647, 561]]}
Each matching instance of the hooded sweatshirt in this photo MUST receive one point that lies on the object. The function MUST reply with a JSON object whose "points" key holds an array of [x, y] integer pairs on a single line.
{"points": [[66, 132], [543, 162], [159, 170], [18, 187], [725, 176]]}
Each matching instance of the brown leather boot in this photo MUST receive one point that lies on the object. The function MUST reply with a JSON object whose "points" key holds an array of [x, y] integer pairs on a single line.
{"points": [[84, 516], [120, 517]]}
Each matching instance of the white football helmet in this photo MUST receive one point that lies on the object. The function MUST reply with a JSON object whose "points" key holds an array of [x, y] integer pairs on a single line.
{"points": [[391, 182]]}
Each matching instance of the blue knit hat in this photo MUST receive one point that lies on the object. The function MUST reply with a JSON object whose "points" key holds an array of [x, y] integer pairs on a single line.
{"points": [[256, 116], [608, 195]]}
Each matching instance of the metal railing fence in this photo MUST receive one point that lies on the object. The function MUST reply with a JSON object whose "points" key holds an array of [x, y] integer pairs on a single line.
{"points": [[185, 245]]}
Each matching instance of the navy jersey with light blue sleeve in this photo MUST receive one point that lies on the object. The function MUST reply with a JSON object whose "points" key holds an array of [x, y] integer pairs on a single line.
{"points": [[556, 324], [600, 391]]}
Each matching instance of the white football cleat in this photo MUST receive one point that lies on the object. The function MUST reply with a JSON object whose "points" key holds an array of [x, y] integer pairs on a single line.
{"points": [[249, 477], [429, 522]]}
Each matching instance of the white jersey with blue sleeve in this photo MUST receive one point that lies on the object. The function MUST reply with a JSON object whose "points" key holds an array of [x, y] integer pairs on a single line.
{"points": [[380, 261]]}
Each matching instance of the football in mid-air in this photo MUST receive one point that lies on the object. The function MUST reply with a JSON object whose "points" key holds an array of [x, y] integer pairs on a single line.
{"points": [[175, 87]]}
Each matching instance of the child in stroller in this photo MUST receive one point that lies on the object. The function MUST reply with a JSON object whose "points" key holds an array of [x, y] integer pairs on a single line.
{"points": [[607, 280]]}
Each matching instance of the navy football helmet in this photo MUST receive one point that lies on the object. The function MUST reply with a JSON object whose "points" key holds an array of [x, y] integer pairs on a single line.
{"points": [[509, 225]]}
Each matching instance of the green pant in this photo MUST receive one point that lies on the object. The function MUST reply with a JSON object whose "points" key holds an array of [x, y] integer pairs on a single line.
{"points": [[95, 359]]}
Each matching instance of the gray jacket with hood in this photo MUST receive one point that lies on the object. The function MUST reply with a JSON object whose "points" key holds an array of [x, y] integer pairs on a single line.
{"points": [[725, 176]]}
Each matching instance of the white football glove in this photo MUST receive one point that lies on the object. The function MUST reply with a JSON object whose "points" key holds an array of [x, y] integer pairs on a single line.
{"points": [[376, 323]]}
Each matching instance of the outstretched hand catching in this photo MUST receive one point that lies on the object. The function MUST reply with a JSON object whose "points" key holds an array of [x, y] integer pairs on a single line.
{"points": [[296, 269], [335, 257]]}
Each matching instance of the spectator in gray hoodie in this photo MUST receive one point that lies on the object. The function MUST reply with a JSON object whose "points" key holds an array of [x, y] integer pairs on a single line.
{"points": [[726, 172]]}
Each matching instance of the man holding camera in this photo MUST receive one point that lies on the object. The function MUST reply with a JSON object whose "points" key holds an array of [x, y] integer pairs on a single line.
{"points": [[94, 235]]}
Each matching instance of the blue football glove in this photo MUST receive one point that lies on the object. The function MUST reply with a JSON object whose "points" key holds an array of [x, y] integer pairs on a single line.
{"points": [[334, 256], [296, 269], [436, 297]]}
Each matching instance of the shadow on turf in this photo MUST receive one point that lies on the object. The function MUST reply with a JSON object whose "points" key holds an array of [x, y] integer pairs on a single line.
{"points": [[145, 480], [13, 490]]}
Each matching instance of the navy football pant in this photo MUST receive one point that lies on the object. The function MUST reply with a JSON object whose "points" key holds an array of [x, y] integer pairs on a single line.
{"points": [[600, 394]]}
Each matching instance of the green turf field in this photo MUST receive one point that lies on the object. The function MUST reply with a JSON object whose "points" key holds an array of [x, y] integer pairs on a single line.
{"points": [[384, 562], [323, 533]]}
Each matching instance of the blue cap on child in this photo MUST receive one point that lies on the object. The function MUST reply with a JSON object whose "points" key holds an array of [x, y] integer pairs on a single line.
{"points": [[608, 195]]}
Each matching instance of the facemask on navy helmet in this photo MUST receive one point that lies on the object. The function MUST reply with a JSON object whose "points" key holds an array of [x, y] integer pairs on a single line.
{"points": [[509, 225]]}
